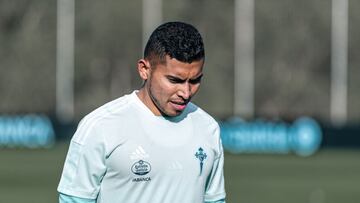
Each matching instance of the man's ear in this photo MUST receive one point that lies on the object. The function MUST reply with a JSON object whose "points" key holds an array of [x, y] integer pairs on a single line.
{"points": [[144, 68]]}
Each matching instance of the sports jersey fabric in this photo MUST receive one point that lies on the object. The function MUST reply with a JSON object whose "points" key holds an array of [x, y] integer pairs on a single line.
{"points": [[122, 152], [71, 199]]}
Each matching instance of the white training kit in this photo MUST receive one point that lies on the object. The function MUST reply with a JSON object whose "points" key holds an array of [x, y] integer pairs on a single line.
{"points": [[122, 152]]}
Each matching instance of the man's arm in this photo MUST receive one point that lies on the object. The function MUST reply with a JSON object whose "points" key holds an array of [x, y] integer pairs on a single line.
{"points": [[63, 198], [215, 186], [219, 201], [84, 165]]}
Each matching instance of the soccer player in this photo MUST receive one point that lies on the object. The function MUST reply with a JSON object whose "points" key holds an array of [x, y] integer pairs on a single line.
{"points": [[153, 145]]}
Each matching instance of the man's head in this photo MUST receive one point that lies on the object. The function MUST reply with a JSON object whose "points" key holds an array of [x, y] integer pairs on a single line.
{"points": [[171, 68], [177, 40]]}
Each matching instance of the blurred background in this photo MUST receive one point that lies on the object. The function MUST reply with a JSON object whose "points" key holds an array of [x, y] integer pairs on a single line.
{"points": [[268, 64]]}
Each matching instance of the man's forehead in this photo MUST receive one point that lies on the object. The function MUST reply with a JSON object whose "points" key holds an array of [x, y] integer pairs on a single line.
{"points": [[167, 58], [183, 69]]}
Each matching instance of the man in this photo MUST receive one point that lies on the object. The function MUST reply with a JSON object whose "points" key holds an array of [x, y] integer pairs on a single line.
{"points": [[154, 145]]}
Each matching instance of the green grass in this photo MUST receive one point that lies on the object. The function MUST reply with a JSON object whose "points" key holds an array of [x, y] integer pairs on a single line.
{"points": [[331, 176]]}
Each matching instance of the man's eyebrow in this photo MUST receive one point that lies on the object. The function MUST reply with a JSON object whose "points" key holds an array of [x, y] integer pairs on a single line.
{"points": [[178, 79], [198, 77], [174, 78]]}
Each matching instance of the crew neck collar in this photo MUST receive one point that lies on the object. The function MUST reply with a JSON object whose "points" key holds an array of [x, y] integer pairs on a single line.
{"points": [[152, 115]]}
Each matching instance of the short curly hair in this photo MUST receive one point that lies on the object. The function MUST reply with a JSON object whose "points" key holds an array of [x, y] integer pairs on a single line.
{"points": [[178, 40]]}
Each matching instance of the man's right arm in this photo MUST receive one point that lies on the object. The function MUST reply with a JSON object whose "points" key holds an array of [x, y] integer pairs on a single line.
{"points": [[219, 201], [63, 198], [84, 165]]}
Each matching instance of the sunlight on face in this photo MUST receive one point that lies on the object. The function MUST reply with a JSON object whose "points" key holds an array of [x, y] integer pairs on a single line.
{"points": [[172, 85]]}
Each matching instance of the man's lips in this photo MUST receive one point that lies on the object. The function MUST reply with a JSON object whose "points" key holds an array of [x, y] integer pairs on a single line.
{"points": [[179, 106]]}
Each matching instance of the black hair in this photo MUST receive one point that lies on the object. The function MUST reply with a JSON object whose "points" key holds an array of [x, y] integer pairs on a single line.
{"points": [[178, 40]]}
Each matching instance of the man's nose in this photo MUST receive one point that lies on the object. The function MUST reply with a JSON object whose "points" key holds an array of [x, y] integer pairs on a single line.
{"points": [[185, 91]]}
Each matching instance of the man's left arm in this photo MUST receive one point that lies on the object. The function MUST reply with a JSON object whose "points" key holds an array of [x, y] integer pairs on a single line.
{"points": [[215, 187], [219, 201]]}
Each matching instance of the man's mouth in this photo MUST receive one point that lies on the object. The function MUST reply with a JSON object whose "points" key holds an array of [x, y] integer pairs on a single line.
{"points": [[179, 106]]}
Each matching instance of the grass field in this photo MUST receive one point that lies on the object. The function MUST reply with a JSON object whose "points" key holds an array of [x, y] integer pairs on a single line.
{"points": [[331, 176]]}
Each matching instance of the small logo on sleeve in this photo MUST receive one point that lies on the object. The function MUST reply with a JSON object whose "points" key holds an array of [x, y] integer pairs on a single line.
{"points": [[201, 155]]}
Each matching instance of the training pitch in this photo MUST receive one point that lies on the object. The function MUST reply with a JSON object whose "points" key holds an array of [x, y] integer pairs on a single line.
{"points": [[331, 176]]}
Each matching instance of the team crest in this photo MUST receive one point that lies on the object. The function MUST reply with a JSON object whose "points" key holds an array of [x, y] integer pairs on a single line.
{"points": [[141, 168], [201, 155]]}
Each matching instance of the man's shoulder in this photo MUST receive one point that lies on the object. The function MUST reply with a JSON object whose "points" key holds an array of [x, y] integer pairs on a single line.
{"points": [[97, 121], [201, 115], [114, 109], [206, 126]]}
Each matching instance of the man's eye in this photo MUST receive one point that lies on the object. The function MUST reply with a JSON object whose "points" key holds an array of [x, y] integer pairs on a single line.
{"points": [[174, 80], [196, 81]]}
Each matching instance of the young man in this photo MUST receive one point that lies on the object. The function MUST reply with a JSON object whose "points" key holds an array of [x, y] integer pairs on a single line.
{"points": [[154, 145]]}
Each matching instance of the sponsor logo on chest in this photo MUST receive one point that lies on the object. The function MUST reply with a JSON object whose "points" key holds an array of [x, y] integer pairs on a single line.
{"points": [[141, 168]]}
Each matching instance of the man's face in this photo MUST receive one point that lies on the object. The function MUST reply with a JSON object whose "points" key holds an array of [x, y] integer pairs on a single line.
{"points": [[171, 85]]}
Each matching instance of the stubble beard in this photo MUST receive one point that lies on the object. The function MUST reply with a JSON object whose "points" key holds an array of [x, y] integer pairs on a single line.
{"points": [[157, 103]]}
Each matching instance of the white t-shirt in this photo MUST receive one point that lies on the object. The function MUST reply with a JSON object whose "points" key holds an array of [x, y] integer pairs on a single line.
{"points": [[122, 152]]}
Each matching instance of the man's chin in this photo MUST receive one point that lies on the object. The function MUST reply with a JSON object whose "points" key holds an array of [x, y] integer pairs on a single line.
{"points": [[171, 114]]}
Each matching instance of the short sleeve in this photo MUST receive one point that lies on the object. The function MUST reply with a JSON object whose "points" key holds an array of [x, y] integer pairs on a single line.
{"points": [[215, 188], [84, 165], [71, 199]]}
